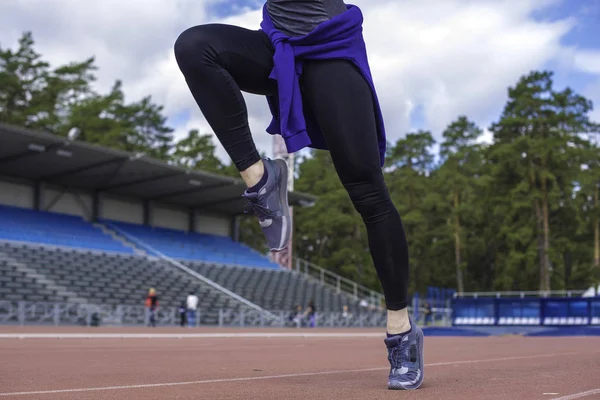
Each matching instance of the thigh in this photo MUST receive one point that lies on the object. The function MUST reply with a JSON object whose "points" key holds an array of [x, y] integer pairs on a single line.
{"points": [[247, 55], [344, 108]]}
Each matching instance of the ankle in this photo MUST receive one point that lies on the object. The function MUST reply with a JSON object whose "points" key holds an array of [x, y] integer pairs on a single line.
{"points": [[253, 174], [398, 321]]}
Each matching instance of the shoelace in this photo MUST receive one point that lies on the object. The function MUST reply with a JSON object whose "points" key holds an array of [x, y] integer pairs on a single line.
{"points": [[256, 207], [398, 356]]}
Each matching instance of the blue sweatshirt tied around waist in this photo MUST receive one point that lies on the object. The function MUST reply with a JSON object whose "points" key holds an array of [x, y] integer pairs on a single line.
{"points": [[339, 38]]}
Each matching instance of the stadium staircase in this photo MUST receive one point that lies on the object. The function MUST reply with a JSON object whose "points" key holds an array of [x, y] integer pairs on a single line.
{"points": [[120, 238], [42, 279], [269, 288]]}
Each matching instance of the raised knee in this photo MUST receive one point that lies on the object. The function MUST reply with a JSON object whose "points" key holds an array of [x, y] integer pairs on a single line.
{"points": [[193, 44]]}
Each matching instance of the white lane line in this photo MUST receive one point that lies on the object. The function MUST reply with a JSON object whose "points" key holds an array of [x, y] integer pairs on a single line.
{"points": [[257, 378], [188, 335], [578, 395]]}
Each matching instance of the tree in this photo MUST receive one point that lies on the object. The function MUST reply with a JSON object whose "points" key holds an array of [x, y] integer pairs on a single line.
{"points": [[588, 200], [197, 151], [107, 120], [331, 233], [410, 162], [35, 96], [535, 139], [462, 161]]}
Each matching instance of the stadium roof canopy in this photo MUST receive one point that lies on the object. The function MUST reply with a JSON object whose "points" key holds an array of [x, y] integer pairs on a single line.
{"points": [[41, 157]]}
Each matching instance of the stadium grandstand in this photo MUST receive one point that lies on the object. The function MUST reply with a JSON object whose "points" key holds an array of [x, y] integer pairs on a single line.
{"points": [[84, 227]]}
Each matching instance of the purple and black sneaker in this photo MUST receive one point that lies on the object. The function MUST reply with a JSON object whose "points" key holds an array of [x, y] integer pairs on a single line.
{"points": [[270, 204], [405, 354]]}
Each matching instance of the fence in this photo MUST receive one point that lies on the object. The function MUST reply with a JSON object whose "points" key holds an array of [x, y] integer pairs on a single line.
{"points": [[42, 313], [564, 311], [337, 282], [69, 314]]}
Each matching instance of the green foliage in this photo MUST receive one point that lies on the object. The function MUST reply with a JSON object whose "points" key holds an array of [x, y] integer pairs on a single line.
{"points": [[521, 213], [55, 100]]}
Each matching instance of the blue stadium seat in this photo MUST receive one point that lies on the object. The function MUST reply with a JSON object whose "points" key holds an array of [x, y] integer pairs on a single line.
{"points": [[559, 311], [595, 311], [26, 225], [196, 246]]}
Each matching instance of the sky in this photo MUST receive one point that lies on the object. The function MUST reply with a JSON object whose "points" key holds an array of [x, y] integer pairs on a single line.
{"points": [[432, 60]]}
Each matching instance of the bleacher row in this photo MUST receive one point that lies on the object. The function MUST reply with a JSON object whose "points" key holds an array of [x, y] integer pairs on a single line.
{"points": [[60, 258], [26, 225]]}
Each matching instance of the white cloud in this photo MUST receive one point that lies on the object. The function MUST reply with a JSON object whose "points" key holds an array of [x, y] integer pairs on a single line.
{"points": [[588, 61], [448, 57]]}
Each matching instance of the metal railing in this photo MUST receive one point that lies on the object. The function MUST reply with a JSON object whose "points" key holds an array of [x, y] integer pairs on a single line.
{"points": [[195, 274], [72, 314], [338, 283]]}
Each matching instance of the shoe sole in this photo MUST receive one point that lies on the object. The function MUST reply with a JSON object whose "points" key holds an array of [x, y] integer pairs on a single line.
{"points": [[399, 386], [283, 199]]}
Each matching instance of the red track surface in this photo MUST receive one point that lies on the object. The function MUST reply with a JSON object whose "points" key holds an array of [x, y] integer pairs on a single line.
{"points": [[291, 368]]}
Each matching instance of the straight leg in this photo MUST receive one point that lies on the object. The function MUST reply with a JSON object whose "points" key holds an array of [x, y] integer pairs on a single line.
{"points": [[343, 106], [342, 103]]}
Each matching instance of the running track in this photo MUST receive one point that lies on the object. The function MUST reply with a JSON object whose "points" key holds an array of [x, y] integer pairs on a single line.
{"points": [[349, 365]]}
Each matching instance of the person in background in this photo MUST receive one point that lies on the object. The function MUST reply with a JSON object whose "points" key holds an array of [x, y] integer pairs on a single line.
{"points": [[345, 312], [182, 311], [311, 314], [152, 306], [345, 315], [428, 314], [192, 305], [295, 315]]}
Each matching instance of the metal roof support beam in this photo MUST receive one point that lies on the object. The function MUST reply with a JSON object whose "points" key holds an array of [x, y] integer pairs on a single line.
{"points": [[138, 181], [109, 177], [38, 195], [219, 201], [95, 206], [147, 212], [188, 191], [235, 228], [84, 208], [192, 220], [29, 153], [82, 169], [54, 200]]}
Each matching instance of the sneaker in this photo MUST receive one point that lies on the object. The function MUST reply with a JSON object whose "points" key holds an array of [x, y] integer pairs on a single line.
{"points": [[270, 205], [405, 354]]}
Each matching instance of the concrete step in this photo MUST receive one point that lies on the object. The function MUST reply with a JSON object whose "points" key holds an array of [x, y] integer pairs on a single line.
{"points": [[120, 238], [40, 278]]}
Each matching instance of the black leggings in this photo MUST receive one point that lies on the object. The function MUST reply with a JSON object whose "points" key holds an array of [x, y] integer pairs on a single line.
{"points": [[220, 61]]}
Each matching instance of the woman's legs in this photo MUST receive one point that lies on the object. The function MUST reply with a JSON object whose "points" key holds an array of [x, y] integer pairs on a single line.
{"points": [[343, 105], [218, 62]]}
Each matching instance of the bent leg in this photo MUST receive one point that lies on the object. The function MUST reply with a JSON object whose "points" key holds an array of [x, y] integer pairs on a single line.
{"points": [[218, 62]]}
